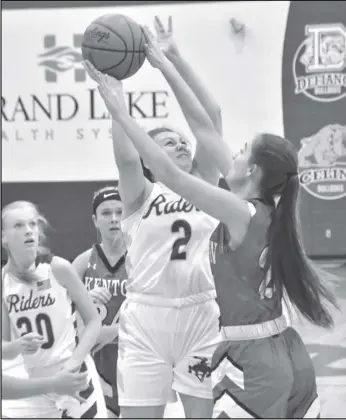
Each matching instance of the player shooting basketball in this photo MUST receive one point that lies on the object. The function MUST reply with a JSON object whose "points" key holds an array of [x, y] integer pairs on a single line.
{"points": [[169, 320], [262, 368]]}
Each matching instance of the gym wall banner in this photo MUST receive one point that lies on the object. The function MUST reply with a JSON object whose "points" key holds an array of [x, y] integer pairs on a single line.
{"points": [[54, 124], [314, 114], [55, 129]]}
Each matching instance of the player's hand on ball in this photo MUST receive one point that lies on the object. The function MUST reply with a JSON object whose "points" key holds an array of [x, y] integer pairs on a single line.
{"points": [[92, 71], [111, 92], [165, 36], [70, 383], [154, 54], [111, 89], [97, 77], [30, 343], [100, 295]]}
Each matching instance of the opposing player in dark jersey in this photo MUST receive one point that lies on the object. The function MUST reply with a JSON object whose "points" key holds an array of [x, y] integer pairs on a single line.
{"points": [[102, 269], [262, 368]]}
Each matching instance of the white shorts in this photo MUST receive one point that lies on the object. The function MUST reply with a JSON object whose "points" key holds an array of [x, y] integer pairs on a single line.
{"points": [[164, 348]]}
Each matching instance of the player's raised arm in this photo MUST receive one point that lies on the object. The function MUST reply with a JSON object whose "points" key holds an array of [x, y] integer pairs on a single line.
{"points": [[220, 204], [133, 186], [169, 47], [212, 153]]}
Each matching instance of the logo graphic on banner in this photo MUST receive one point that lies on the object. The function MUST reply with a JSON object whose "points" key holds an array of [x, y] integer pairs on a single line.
{"points": [[319, 64], [322, 163], [60, 59]]}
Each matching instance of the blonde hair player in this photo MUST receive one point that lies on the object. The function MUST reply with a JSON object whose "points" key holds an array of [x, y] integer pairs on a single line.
{"points": [[102, 270], [261, 369], [169, 324], [40, 296]]}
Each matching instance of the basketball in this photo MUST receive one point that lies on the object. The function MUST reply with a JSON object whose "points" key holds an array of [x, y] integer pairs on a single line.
{"points": [[114, 44]]}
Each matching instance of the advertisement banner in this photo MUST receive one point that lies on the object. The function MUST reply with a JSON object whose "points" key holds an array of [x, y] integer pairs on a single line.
{"points": [[314, 111], [54, 124]]}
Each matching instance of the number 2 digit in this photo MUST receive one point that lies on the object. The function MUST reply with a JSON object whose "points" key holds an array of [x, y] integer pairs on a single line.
{"points": [[178, 252]]}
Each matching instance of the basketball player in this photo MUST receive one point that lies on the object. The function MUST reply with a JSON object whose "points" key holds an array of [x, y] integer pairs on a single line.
{"points": [[41, 294], [169, 325], [102, 269], [262, 368], [64, 383]]}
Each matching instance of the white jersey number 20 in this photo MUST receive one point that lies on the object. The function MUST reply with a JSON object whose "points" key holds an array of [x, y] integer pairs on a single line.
{"points": [[43, 326]]}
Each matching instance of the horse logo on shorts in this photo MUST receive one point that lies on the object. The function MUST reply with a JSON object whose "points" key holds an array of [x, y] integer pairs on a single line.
{"points": [[201, 368]]}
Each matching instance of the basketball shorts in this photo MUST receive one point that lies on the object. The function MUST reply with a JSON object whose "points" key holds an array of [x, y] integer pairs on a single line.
{"points": [[165, 347], [269, 377]]}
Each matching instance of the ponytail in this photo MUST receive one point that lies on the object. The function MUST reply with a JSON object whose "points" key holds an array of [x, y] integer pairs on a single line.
{"points": [[291, 269]]}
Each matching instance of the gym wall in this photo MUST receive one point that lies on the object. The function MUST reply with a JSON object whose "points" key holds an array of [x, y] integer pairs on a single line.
{"points": [[284, 73]]}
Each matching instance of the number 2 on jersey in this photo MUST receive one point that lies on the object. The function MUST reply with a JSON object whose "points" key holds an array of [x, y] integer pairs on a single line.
{"points": [[178, 250], [41, 321]]}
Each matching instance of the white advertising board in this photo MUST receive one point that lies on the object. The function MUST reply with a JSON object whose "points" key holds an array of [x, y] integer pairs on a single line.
{"points": [[54, 124]]}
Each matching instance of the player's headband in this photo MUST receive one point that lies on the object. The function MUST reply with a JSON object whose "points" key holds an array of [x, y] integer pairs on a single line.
{"points": [[108, 194]]}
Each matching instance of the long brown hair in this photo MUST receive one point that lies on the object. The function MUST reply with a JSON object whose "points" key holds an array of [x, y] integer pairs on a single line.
{"points": [[292, 271]]}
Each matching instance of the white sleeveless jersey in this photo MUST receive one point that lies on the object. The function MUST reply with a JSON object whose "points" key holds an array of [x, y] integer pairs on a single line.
{"points": [[43, 307], [168, 245]]}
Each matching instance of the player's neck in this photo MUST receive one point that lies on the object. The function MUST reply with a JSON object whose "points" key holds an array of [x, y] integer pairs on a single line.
{"points": [[23, 268], [247, 192], [114, 247], [21, 265]]}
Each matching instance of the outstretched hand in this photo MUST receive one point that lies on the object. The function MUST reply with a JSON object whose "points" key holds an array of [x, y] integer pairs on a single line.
{"points": [[165, 36], [111, 90], [92, 71], [155, 55]]}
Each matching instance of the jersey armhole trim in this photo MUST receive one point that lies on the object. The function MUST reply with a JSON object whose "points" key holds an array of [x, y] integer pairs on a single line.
{"points": [[125, 222]]}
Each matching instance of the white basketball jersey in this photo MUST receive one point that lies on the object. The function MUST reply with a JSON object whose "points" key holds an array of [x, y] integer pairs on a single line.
{"points": [[46, 308], [168, 243]]}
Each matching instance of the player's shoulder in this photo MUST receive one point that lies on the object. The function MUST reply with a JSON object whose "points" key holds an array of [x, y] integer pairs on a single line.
{"points": [[84, 257], [60, 264], [80, 263], [61, 269]]}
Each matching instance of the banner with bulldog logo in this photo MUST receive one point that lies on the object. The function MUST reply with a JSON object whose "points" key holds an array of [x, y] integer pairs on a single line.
{"points": [[314, 113]]}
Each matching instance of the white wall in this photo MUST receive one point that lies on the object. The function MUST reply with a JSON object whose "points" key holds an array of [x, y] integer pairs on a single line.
{"points": [[246, 80]]}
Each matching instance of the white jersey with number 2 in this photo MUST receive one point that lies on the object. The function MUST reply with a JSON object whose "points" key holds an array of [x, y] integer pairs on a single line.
{"points": [[168, 245]]}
